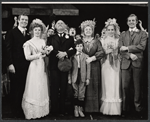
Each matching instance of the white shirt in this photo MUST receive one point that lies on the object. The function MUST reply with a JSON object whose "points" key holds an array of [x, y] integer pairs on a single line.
{"points": [[22, 29], [61, 35], [134, 29], [79, 58]]}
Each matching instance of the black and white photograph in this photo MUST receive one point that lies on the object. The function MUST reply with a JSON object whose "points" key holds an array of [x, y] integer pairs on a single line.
{"points": [[74, 60]]}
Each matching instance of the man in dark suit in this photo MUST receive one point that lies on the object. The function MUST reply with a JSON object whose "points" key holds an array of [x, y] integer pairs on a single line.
{"points": [[17, 64], [63, 47], [132, 43]]}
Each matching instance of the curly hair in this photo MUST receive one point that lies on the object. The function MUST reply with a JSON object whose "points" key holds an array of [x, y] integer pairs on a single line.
{"points": [[111, 22], [90, 23], [116, 28], [37, 23]]}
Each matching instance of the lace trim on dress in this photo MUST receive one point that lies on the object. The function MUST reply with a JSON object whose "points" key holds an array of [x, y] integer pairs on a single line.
{"points": [[111, 108], [32, 101], [32, 111]]}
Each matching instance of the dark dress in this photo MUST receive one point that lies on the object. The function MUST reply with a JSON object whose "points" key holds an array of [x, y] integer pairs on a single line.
{"points": [[93, 93]]}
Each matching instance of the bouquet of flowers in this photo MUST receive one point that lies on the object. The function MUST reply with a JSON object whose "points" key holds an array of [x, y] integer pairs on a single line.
{"points": [[46, 49], [112, 56], [111, 45]]}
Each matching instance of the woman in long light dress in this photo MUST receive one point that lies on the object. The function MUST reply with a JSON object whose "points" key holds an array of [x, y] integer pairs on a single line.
{"points": [[35, 102], [111, 101]]}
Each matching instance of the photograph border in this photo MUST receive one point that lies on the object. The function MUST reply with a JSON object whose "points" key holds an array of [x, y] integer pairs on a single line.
{"points": [[79, 2]]}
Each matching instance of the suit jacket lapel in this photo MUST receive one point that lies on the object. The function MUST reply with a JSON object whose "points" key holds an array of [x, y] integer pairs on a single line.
{"points": [[19, 31], [63, 39], [57, 39], [82, 57], [22, 33], [128, 38], [24, 38], [76, 58], [134, 35]]}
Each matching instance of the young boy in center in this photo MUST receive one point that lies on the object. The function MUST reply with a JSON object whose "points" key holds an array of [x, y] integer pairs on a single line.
{"points": [[79, 77]]}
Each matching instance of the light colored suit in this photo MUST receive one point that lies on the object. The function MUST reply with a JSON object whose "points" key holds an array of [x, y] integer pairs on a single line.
{"points": [[132, 69], [136, 45]]}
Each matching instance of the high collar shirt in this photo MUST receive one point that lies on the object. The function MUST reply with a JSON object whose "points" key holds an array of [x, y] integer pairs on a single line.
{"points": [[78, 54]]}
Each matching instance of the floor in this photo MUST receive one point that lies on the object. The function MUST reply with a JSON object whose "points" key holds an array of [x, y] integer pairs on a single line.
{"points": [[6, 115]]}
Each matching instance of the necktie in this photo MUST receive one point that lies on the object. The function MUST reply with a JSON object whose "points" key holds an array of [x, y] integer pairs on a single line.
{"points": [[131, 32], [24, 33]]}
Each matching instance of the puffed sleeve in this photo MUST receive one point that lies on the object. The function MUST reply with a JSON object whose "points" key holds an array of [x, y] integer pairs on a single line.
{"points": [[100, 51], [28, 53]]}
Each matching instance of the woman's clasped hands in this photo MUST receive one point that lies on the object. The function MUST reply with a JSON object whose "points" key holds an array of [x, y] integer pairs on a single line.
{"points": [[90, 59]]}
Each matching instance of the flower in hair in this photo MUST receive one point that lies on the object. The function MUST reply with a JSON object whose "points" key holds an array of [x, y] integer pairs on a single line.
{"points": [[91, 23], [110, 21], [38, 21]]}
